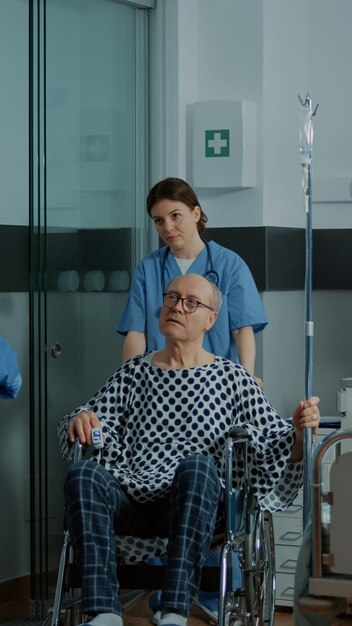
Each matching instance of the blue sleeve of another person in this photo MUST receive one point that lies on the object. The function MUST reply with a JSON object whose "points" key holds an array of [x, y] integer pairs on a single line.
{"points": [[10, 377], [134, 314]]}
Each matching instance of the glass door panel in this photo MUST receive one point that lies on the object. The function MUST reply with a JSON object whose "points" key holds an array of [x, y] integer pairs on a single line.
{"points": [[88, 67]]}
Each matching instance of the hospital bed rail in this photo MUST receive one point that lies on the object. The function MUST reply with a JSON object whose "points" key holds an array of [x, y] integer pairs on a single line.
{"points": [[331, 575], [323, 581]]}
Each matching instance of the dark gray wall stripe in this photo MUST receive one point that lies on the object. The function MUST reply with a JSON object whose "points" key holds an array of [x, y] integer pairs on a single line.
{"points": [[275, 255], [14, 258], [332, 258]]}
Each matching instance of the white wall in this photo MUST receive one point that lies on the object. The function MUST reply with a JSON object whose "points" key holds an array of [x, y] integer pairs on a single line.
{"points": [[332, 312], [285, 75], [283, 349], [229, 67], [216, 41], [330, 54], [270, 52]]}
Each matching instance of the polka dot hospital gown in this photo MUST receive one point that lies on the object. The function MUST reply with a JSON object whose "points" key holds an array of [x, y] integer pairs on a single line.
{"points": [[152, 418]]}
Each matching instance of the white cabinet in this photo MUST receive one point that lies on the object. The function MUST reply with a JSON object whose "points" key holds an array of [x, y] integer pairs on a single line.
{"points": [[288, 533]]}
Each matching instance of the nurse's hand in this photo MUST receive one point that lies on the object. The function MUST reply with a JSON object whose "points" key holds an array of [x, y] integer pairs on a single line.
{"points": [[135, 343], [259, 382], [80, 425]]}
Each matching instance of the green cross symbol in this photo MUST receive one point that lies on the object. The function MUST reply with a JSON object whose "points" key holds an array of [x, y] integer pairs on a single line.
{"points": [[217, 143]]}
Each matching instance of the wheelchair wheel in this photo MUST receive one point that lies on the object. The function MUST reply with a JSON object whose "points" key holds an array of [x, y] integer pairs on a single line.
{"points": [[260, 570]]}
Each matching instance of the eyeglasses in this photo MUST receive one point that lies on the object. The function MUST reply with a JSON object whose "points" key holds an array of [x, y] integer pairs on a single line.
{"points": [[189, 305]]}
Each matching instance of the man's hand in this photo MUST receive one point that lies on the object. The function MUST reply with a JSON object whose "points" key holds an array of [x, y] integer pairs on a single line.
{"points": [[80, 425], [306, 415]]}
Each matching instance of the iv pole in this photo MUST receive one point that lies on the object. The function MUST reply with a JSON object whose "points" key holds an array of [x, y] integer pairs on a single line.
{"points": [[305, 152]]}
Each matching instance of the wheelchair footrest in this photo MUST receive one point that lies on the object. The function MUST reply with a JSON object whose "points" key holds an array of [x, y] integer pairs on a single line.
{"points": [[145, 576]]}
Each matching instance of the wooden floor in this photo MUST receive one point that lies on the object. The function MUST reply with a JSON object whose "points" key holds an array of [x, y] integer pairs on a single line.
{"points": [[139, 615]]}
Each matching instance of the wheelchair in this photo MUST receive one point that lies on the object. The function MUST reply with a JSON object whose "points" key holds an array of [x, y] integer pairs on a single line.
{"points": [[247, 533]]}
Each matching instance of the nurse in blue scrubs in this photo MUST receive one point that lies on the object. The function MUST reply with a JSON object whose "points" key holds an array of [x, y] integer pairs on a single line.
{"points": [[180, 223]]}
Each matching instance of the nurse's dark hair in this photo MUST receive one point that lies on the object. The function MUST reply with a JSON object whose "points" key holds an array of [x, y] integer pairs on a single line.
{"points": [[178, 190]]}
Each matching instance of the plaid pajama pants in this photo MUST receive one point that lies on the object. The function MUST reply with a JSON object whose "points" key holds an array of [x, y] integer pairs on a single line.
{"points": [[97, 508]]}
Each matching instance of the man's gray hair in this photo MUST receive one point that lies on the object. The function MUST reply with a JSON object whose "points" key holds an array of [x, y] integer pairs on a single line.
{"points": [[217, 296]]}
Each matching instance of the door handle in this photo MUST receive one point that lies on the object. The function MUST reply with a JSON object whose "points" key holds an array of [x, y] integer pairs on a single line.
{"points": [[56, 350]]}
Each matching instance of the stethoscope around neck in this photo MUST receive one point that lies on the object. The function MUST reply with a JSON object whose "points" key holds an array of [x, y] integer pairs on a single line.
{"points": [[210, 274]]}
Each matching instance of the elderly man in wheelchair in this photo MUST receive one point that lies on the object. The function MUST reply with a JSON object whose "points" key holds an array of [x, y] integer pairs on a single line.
{"points": [[165, 419]]}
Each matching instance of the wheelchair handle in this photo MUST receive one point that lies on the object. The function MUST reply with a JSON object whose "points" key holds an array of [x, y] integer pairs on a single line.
{"points": [[78, 451], [238, 433], [80, 448]]}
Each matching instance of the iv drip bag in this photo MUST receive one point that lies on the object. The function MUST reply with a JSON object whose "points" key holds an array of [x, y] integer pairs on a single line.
{"points": [[305, 135]]}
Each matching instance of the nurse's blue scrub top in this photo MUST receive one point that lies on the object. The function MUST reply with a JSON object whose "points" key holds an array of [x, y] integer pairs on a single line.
{"points": [[241, 305]]}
